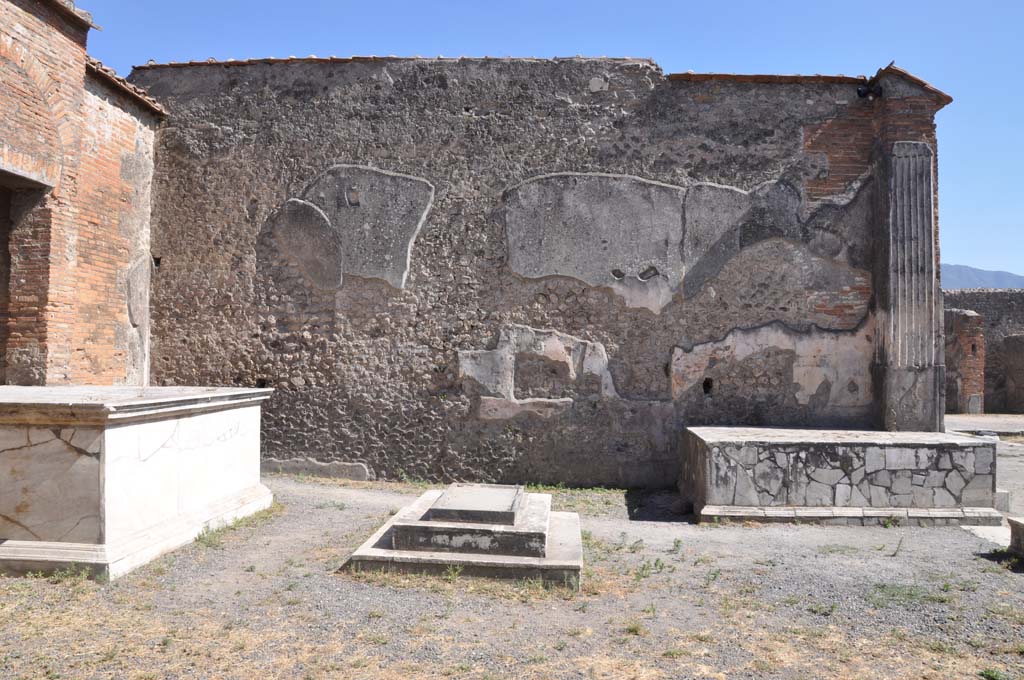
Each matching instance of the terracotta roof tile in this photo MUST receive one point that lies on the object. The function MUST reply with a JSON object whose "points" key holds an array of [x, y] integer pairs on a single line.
{"points": [[134, 91], [768, 78], [906, 75], [371, 58], [68, 8]]}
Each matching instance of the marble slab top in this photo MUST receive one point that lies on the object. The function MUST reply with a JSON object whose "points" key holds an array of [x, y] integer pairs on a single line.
{"points": [[772, 435], [487, 503], [81, 403]]}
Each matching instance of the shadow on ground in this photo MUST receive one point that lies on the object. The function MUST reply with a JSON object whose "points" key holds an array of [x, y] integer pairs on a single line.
{"points": [[658, 506]]}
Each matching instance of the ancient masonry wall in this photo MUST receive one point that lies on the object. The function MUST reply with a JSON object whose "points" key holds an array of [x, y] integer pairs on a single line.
{"points": [[42, 54], [1002, 311], [76, 166], [110, 339], [510, 270], [965, 361]]}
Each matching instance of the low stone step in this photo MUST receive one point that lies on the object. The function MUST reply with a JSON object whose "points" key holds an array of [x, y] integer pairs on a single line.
{"points": [[561, 564], [416, 528], [926, 517], [482, 503]]}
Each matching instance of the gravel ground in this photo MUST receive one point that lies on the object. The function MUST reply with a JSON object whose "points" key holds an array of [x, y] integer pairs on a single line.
{"points": [[662, 598]]}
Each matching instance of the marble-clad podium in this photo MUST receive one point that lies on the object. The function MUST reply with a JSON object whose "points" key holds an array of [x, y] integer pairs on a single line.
{"points": [[110, 478]]}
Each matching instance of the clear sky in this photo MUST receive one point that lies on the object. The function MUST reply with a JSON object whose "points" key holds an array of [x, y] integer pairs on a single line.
{"points": [[970, 49]]}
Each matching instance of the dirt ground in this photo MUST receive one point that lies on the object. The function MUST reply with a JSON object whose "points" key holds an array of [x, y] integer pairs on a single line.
{"points": [[661, 598]]}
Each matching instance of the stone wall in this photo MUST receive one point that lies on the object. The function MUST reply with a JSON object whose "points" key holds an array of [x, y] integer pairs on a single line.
{"points": [[1013, 364], [965, 361], [76, 163], [1003, 313], [510, 270]]}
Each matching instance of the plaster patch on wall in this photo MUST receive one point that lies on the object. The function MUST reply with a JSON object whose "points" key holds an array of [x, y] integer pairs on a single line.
{"points": [[580, 364], [646, 240], [138, 291], [711, 239], [306, 237], [615, 231], [354, 220], [824, 364]]}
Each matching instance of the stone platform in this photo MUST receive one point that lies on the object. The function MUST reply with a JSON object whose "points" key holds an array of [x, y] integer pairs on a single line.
{"points": [[1000, 424], [758, 470], [481, 530], [109, 478]]}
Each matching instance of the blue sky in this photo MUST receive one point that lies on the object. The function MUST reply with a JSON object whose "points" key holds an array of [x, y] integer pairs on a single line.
{"points": [[970, 49]]}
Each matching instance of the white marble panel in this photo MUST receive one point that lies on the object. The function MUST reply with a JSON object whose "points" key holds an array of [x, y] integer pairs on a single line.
{"points": [[158, 470], [50, 484]]}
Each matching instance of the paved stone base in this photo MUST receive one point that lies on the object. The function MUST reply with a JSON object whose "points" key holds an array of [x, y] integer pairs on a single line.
{"points": [[110, 561], [925, 517], [561, 564], [1001, 424]]}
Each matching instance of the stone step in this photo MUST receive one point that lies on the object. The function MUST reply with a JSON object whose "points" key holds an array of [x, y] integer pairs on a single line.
{"points": [[561, 565], [926, 517], [416, 528], [482, 503]]}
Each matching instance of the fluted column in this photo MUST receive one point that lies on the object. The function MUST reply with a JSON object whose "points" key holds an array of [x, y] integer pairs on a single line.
{"points": [[911, 350]]}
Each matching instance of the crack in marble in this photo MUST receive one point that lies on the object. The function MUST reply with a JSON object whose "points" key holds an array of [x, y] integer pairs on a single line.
{"points": [[21, 526]]}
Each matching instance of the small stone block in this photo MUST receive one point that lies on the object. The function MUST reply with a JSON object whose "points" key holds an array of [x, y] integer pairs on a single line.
{"points": [[1002, 500], [479, 503], [982, 517], [814, 513], [1016, 535]]}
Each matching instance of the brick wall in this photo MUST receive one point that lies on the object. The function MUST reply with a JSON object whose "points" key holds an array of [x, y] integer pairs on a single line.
{"points": [[847, 143], [73, 153], [6, 198], [1003, 313], [47, 52], [105, 345], [965, 361]]}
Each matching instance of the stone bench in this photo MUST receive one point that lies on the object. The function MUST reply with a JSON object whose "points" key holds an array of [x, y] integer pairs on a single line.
{"points": [[109, 478], [767, 467]]}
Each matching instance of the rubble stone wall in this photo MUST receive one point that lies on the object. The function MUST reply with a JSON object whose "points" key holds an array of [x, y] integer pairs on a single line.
{"points": [[520, 269]]}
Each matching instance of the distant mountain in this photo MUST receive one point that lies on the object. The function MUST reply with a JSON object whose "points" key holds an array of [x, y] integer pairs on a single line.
{"points": [[961, 276]]}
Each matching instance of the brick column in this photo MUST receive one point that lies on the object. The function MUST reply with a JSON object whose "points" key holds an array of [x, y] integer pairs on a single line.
{"points": [[965, 361]]}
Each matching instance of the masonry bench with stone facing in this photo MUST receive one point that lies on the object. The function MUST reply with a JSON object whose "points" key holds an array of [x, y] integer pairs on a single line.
{"points": [[735, 467]]}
